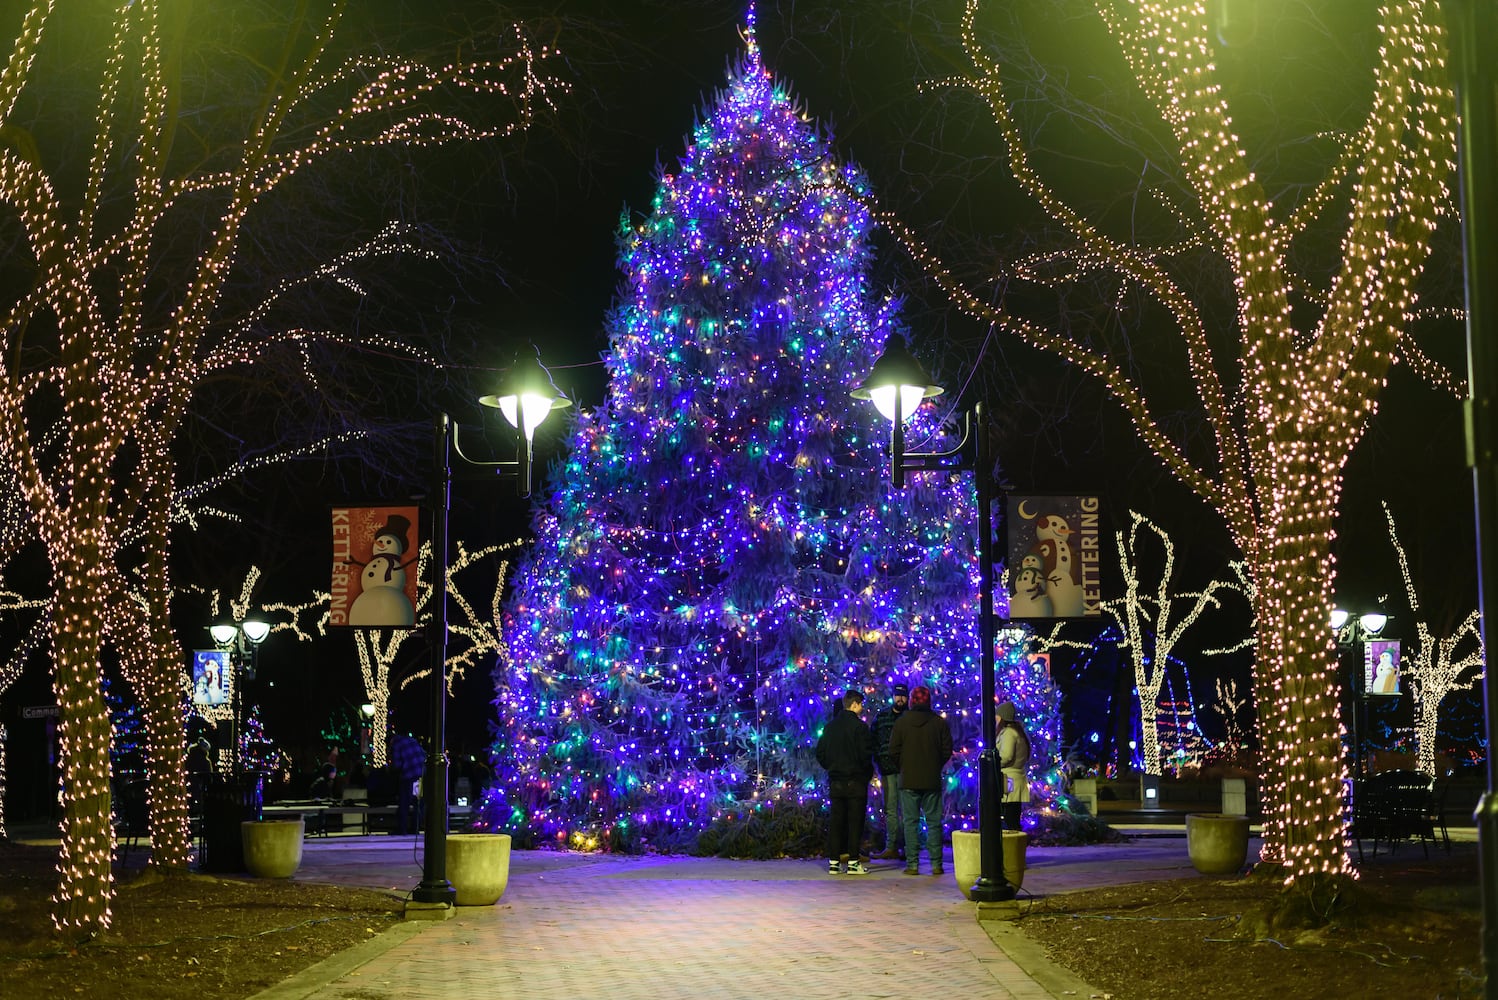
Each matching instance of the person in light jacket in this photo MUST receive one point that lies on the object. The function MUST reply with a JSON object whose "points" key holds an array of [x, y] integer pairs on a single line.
{"points": [[1014, 759]]}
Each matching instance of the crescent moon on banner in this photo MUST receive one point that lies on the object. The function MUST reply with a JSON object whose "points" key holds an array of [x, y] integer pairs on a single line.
{"points": [[1027, 515]]}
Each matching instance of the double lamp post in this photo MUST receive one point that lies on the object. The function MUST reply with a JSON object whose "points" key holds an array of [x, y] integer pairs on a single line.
{"points": [[1352, 631], [233, 797], [896, 385]]}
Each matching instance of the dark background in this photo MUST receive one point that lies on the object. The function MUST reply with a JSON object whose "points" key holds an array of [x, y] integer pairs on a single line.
{"points": [[532, 223]]}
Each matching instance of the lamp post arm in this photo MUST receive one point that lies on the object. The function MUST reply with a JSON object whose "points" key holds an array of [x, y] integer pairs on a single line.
{"points": [[518, 467], [964, 454]]}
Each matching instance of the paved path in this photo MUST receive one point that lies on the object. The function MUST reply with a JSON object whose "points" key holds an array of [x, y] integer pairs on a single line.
{"points": [[579, 926]]}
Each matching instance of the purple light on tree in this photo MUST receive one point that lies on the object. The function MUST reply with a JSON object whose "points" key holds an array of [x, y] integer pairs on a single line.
{"points": [[721, 554]]}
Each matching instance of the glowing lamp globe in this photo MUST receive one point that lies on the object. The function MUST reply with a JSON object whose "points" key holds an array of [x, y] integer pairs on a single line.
{"points": [[897, 383], [527, 396]]}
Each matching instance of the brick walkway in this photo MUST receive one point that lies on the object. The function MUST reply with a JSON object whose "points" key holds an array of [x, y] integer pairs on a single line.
{"points": [[580, 926]]}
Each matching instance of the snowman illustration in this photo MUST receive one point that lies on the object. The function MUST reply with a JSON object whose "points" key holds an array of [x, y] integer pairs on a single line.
{"points": [[1028, 599], [1062, 566], [1386, 676], [382, 600]]}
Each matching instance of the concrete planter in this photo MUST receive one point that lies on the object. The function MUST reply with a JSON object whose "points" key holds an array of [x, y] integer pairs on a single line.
{"points": [[1217, 843], [967, 858], [272, 847], [1234, 797], [1085, 789], [478, 866]]}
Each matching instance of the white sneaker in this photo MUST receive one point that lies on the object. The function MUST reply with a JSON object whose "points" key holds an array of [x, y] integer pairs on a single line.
{"points": [[857, 868]]}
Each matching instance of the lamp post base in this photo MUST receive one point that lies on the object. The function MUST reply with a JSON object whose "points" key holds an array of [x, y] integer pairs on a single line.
{"points": [[416, 910], [435, 893], [987, 890]]}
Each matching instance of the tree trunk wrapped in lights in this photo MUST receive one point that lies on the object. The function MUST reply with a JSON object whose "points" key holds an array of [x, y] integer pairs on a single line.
{"points": [[138, 626], [1286, 406], [117, 323]]}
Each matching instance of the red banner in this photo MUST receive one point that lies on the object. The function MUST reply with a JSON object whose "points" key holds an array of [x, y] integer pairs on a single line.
{"points": [[374, 566]]}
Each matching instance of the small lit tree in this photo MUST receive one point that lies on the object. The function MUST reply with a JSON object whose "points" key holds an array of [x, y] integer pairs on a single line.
{"points": [[1437, 668], [1151, 622]]}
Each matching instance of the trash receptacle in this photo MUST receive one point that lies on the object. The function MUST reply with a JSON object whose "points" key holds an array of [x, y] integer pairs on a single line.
{"points": [[230, 801]]}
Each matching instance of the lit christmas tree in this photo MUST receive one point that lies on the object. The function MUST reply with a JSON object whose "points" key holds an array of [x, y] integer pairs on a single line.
{"points": [[721, 554]]}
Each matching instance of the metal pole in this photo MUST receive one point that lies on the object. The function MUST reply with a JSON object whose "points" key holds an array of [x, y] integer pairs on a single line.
{"points": [[991, 885], [434, 887], [897, 445], [1358, 707], [1472, 26]]}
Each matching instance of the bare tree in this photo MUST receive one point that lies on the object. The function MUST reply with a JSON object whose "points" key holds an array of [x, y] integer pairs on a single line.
{"points": [[106, 341], [1437, 668], [1152, 623], [1283, 402]]}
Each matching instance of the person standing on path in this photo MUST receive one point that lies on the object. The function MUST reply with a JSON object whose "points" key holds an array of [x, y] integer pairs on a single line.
{"points": [[889, 774], [846, 750], [407, 761], [920, 746], [1014, 759]]}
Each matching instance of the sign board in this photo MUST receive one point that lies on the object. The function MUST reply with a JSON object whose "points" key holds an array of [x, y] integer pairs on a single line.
{"points": [[1053, 557], [212, 676], [375, 551], [39, 712], [1381, 667]]}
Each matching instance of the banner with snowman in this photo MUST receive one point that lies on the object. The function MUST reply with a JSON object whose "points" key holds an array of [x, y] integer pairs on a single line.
{"points": [[374, 566], [1052, 557], [1381, 666]]}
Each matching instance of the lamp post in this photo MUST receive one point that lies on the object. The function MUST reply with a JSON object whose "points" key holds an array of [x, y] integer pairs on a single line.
{"points": [[1473, 24], [896, 385], [526, 397], [234, 800], [1352, 631], [241, 639]]}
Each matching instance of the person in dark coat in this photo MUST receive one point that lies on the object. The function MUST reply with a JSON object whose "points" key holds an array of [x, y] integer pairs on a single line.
{"points": [[846, 750], [921, 745], [889, 774], [407, 761]]}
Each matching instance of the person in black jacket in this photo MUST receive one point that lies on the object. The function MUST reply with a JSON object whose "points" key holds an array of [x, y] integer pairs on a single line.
{"points": [[920, 746], [846, 750], [889, 774]]}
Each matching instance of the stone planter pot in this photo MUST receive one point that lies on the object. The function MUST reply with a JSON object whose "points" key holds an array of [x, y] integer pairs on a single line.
{"points": [[272, 847], [478, 866], [967, 858], [1085, 790], [1217, 843]]}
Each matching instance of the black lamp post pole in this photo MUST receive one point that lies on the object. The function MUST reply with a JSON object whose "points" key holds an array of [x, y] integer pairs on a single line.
{"points": [[991, 885], [1473, 24], [972, 454], [434, 887]]}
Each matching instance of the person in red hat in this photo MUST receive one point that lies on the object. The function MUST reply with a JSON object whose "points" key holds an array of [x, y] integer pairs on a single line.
{"points": [[921, 745]]}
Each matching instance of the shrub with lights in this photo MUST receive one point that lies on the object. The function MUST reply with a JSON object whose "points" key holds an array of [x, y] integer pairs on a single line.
{"points": [[721, 554]]}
